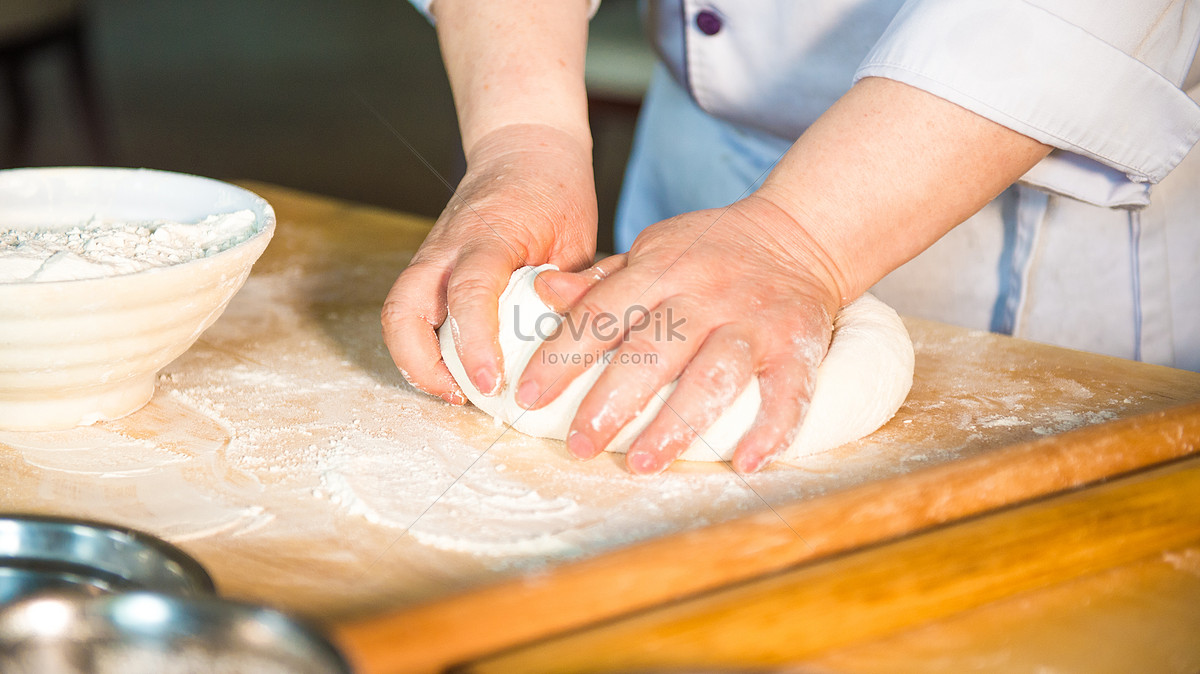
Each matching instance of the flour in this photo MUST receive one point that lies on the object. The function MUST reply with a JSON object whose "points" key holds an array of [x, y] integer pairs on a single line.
{"points": [[1186, 561], [155, 467], [338, 490], [92, 451], [100, 248], [335, 442]]}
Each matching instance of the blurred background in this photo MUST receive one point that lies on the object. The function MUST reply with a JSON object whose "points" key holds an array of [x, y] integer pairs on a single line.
{"points": [[285, 91]]}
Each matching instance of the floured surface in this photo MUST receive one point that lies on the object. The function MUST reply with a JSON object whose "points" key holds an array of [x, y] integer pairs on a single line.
{"points": [[286, 454]]}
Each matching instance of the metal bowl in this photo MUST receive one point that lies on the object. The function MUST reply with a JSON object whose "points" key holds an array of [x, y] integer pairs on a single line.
{"points": [[144, 632], [41, 553]]}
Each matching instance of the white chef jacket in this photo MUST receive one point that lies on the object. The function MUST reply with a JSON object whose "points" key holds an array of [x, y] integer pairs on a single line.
{"points": [[1076, 255], [1100, 81]]}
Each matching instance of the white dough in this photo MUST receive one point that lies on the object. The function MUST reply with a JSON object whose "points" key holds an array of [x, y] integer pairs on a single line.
{"points": [[863, 380]]}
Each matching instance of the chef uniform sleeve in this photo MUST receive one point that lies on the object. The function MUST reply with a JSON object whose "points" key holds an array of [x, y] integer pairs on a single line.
{"points": [[423, 6], [1100, 82]]}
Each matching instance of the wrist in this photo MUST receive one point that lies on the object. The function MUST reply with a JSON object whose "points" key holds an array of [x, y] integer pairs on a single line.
{"points": [[503, 143], [788, 237]]}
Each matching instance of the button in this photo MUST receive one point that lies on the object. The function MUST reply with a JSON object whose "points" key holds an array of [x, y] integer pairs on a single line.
{"points": [[708, 22]]}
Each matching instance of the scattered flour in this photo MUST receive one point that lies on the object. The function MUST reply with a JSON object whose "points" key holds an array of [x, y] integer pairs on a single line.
{"points": [[91, 450], [1186, 561], [286, 452], [1061, 421], [389, 459], [100, 248]]}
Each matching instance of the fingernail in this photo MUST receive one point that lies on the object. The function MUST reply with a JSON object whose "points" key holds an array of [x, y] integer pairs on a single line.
{"points": [[642, 463], [528, 394], [486, 382], [454, 398], [580, 446]]}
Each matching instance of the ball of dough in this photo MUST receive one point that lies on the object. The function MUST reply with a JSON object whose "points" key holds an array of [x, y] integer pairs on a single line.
{"points": [[865, 377]]}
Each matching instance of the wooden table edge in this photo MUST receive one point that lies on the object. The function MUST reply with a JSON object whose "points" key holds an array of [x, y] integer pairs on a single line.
{"points": [[430, 637]]}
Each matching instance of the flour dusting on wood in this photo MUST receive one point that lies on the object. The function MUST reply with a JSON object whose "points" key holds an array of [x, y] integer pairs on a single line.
{"points": [[285, 451]]}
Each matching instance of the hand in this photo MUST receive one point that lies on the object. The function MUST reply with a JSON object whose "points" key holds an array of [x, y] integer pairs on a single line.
{"points": [[878, 178], [748, 293], [528, 198]]}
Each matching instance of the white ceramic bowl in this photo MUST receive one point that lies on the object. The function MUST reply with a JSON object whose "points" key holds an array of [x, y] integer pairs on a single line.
{"points": [[81, 351]]}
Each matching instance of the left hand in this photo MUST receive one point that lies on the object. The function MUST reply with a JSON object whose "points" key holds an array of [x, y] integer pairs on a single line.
{"points": [[748, 293]]}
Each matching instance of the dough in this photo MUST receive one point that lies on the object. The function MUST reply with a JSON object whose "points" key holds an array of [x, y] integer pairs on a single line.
{"points": [[863, 380]]}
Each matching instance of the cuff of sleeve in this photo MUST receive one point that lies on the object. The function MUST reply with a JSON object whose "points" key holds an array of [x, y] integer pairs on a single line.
{"points": [[1084, 179], [1030, 70], [424, 7]]}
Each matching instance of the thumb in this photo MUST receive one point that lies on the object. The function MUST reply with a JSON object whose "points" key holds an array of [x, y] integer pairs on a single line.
{"points": [[561, 290]]}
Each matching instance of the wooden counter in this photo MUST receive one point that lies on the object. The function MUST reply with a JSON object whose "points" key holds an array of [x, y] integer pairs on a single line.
{"points": [[285, 453]]}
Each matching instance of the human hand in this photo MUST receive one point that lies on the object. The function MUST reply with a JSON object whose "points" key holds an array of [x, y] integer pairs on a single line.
{"points": [[528, 197], [748, 293]]}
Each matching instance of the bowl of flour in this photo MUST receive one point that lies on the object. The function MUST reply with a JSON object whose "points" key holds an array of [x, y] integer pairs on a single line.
{"points": [[107, 275]]}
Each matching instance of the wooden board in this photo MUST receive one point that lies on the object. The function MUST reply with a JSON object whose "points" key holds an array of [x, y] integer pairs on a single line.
{"points": [[786, 617], [287, 455], [1138, 617], [681, 570]]}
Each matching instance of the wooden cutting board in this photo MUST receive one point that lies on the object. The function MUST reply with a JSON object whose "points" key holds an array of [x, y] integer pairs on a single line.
{"points": [[286, 453]]}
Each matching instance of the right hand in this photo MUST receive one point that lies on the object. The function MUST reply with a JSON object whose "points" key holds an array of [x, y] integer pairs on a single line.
{"points": [[528, 198]]}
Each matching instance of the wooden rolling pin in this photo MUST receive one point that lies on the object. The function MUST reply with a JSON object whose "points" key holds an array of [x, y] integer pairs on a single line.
{"points": [[505, 616]]}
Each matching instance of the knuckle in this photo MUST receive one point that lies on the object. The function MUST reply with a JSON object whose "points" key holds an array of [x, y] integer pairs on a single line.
{"points": [[733, 340], [391, 315], [786, 388], [396, 315], [470, 289], [720, 378], [644, 350], [419, 267]]}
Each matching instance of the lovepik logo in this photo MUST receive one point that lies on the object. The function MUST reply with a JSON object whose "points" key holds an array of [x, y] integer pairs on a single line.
{"points": [[605, 327]]}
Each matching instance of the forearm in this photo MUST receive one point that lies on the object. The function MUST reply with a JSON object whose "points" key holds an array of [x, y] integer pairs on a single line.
{"points": [[515, 62], [886, 172]]}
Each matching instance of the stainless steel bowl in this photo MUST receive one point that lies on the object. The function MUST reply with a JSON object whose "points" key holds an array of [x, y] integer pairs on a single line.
{"points": [[145, 632], [40, 553]]}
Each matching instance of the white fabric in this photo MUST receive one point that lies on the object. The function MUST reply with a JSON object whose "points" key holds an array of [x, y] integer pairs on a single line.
{"points": [[1027, 66], [1050, 269], [426, 7], [1098, 81], [1102, 264]]}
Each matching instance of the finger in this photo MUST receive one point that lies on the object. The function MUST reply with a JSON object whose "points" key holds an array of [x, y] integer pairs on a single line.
{"points": [[472, 295], [411, 314], [786, 385], [593, 326], [609, 266], [711, 383], [561, 290], [648, 360]]}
